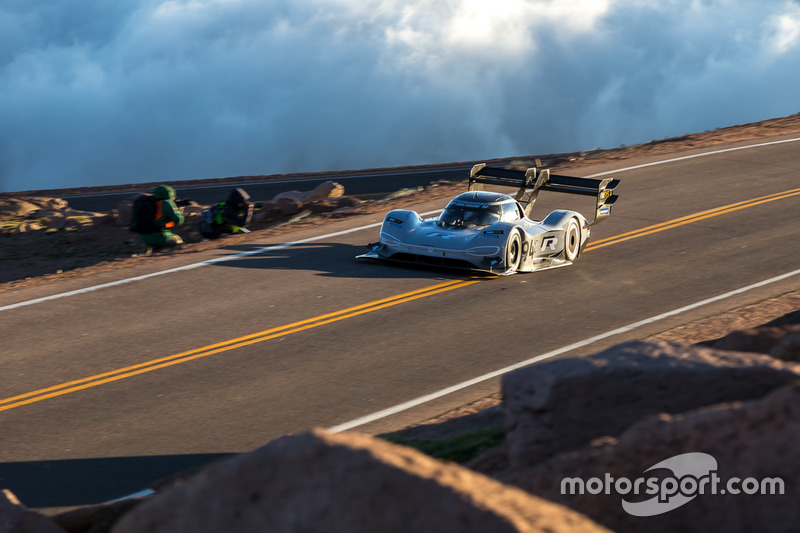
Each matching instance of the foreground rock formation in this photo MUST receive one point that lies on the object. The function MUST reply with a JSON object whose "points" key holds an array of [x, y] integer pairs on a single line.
{"points": [[754, 440], [585, 438], [562, 405], [325, 482]]}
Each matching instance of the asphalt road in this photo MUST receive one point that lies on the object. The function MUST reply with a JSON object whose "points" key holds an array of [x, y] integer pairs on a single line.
{"points": [[104, 391]]}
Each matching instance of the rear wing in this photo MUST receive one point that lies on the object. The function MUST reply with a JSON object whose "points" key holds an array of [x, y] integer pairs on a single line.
{"points": [[529, 182]]}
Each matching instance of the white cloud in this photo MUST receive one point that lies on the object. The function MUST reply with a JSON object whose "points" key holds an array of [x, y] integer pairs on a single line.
{"points": [[785, 30], [108, 92]]}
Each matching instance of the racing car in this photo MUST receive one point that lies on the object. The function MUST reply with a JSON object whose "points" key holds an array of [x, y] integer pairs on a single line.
{"points": [[492, 232]]}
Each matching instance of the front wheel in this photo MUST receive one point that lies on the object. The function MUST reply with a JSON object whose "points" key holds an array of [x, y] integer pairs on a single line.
{"points": [[513, 251], [572, 240]]}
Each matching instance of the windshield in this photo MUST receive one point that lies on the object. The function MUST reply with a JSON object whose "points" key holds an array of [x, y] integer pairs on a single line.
{"points": [[465, 215]]}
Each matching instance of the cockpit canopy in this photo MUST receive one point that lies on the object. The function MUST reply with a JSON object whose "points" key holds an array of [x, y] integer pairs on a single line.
{"points": [[478, 209]]}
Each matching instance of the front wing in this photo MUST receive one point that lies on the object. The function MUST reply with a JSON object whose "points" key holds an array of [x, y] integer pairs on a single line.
{"points": [[490, 260]]}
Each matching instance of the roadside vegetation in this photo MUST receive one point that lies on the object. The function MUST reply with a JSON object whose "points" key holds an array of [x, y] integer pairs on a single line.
{"points": [[459, 449]]}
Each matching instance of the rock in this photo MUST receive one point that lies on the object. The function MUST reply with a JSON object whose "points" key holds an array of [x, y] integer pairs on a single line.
{"points": [[22, 206], [332, 204], [492, 462], [288, 206], [102, 219], [348, 201], [69, 212], [782, 342], [328, 189], [56, 204], [16, 207], [351, 483], [95, 518], [57, 221], [562, 405], [16, 518], [324, 206], [756, 439], [76, 223], [44, 213], [788, 348], [26, 227], [193, 210], [267, 213]]}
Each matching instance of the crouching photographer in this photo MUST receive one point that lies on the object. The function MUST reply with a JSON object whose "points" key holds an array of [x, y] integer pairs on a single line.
{"points": [[230, 216], [154, 216]]}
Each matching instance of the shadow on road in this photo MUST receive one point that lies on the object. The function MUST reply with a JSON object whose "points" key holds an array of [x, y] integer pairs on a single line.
{"points": [[74, 482], [334, 260]]}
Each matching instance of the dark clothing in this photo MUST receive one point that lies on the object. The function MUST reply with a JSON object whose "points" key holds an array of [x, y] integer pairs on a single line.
{"points": [[229, 216]]}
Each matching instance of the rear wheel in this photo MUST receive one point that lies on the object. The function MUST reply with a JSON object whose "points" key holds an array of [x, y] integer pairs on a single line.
{"points": [[513, 251], [572, 240]]}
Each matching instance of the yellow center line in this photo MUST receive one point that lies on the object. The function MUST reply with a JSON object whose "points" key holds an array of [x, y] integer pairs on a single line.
{"points": [[149, 366], [696, 217], [309, 323]]}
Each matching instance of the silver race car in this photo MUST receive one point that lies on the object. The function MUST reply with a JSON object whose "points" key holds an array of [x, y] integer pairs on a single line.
{"points": [[493, 232]]}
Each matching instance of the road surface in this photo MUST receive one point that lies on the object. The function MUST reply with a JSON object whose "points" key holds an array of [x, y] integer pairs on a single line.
{"points": [[175, 363]]}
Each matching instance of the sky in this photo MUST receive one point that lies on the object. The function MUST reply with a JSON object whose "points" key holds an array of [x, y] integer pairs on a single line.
{"points": [[99, 92]]}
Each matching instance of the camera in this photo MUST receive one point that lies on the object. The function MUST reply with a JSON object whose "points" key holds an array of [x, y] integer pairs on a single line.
{"points": [[183, 202]]}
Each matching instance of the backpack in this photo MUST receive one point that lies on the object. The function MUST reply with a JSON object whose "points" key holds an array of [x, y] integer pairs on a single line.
{"points": [[211, 218], [143, 214]]}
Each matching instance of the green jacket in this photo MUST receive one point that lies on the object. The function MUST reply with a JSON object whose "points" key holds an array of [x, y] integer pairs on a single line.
{"points": [[170, 217]]}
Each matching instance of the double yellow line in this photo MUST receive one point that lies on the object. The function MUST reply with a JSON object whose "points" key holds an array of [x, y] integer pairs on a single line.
{"points": [[231, 344], [696, 217], [295, 327]]}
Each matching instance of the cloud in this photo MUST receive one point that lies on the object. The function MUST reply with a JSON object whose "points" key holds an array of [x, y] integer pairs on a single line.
{"points": [[98, 92]]}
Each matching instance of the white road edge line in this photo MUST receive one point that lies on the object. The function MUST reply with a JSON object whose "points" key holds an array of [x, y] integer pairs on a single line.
{"points": [[336, 234], [474, 381], [193, 266], [683, 158], [580, 344]]}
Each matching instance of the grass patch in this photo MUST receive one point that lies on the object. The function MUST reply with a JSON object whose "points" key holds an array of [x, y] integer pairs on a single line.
{"points": [[460, 449]]}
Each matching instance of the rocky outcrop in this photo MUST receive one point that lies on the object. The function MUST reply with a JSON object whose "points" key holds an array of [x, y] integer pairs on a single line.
{"points": [[778, 341], [754, 442], [351, 483], [562, 405], [40, 213], [35, 213], [328, 189], [95, 518], [25, 205], [16, 518]]}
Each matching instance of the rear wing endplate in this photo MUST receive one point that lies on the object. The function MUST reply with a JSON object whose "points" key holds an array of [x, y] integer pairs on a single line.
{"points": [[529, 182]]}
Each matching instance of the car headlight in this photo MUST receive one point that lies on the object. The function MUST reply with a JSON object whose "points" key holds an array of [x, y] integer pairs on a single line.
{"points": [[484, 250], [388, 238]]}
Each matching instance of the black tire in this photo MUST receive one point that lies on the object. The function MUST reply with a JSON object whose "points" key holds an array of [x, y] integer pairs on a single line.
{"points": [[572, 240], [513, 251]]}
